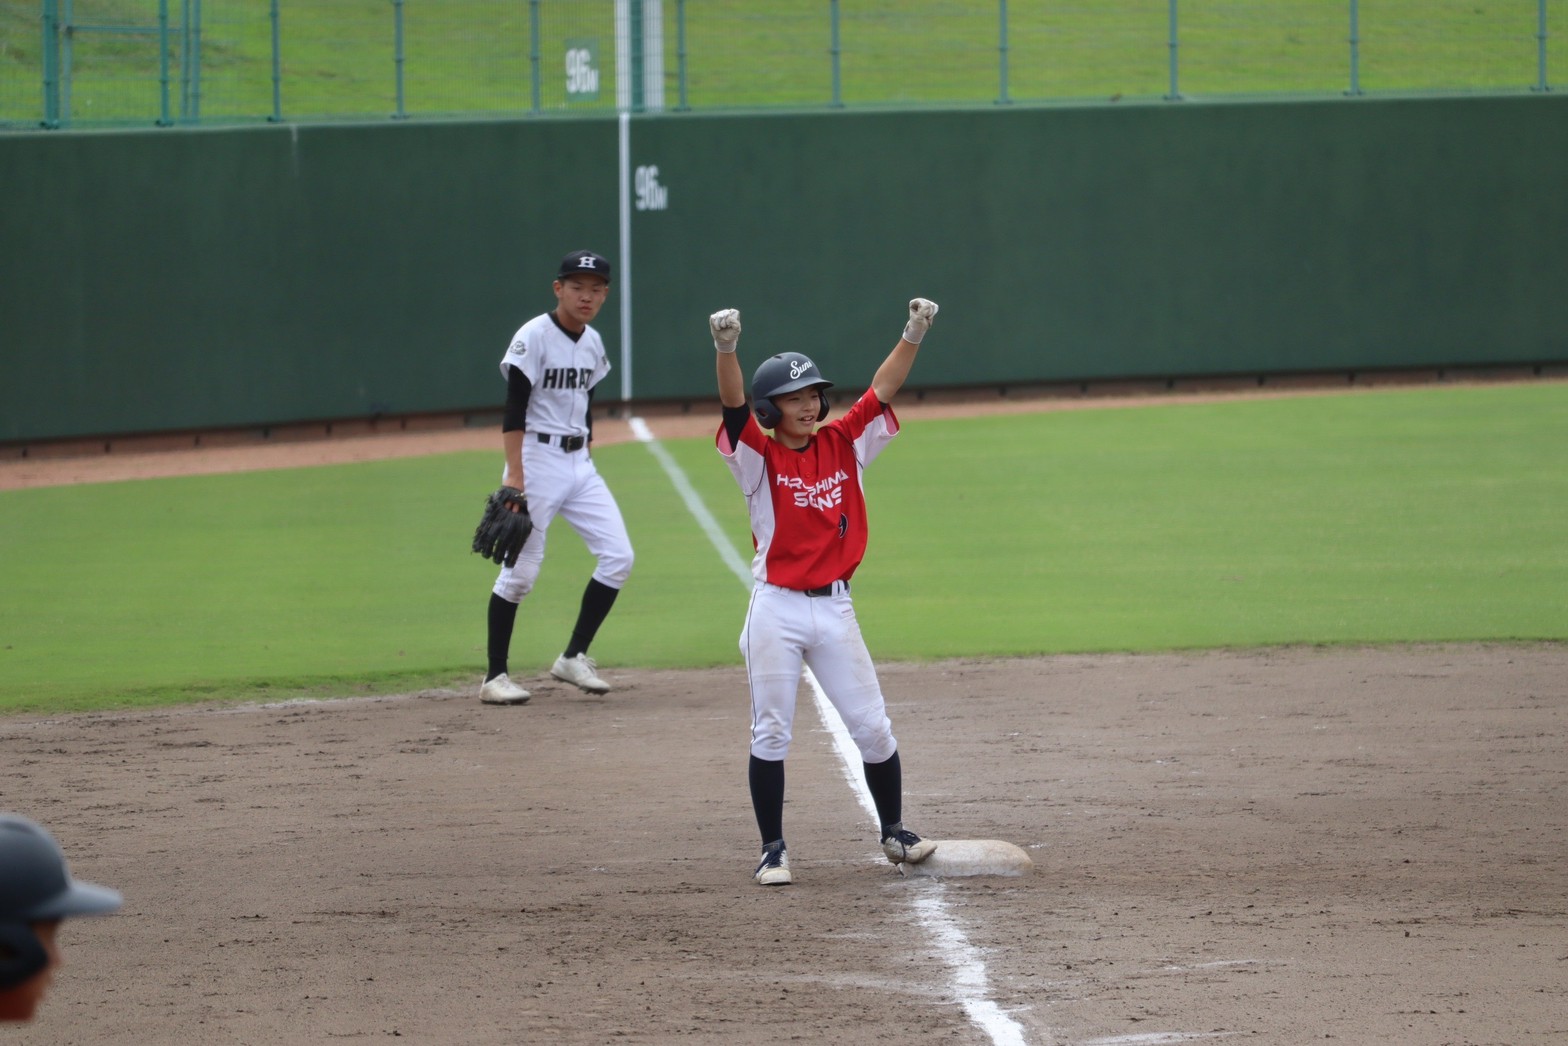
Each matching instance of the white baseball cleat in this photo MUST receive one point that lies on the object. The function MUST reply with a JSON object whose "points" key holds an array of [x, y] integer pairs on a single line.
{"points": [[774, 869], [502, 691], [580, 672], [905, 847]]}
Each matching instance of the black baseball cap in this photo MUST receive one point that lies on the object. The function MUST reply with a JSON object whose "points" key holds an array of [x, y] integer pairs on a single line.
{"points": [[579, 262]]}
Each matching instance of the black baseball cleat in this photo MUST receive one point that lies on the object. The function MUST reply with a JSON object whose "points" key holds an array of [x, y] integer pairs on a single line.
{"points": [[903, 846], [774, 869]]}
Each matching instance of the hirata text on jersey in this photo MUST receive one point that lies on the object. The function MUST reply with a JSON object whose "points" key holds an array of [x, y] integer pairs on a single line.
{"points": [[825, 493], [566, 378]]}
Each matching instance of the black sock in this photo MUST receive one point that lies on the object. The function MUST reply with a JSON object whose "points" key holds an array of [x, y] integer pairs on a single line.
{"points": [[885, 782], [598, 598], [503, 615], [766, 777]]}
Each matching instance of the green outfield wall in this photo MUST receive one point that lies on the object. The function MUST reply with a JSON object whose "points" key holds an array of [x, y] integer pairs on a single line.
{"points": [[153, 281], [177, 279]]}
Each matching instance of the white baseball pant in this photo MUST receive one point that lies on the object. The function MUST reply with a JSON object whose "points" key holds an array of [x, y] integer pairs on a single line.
{"points": [[785, 629], [566, 484]]}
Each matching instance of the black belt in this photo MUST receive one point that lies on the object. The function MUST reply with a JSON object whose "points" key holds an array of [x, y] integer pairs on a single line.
{"points": [[825, 590], [566, 443]]}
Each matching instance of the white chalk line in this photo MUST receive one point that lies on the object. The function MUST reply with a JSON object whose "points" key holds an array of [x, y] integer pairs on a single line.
{"points": [[969, 979]]}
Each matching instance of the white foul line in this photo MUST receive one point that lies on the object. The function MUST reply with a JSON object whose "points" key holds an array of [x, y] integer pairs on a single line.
{"points": [[968, 965]]}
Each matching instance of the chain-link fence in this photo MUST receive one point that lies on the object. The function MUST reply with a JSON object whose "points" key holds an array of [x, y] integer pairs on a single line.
{"points": [[83, 63]]}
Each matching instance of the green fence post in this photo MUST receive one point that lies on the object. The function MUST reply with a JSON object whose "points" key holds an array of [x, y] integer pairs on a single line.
{"points": [[163, 63], [639, 99], [195, 114], [680, 51], [1175, 93], [1001, 48], [397, 55], [1540, 47], [277, 68], [67, 36], [533, 49], [51, 63], [1355, 49], [185, 61], [838, 92]]}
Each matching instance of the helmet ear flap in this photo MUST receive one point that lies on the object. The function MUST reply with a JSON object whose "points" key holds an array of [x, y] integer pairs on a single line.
{"points": [[768, 415], [822, 404], [21, 954]]}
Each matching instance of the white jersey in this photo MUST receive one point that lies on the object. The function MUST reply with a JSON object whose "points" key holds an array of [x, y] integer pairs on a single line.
{"points": [[561, 370]]}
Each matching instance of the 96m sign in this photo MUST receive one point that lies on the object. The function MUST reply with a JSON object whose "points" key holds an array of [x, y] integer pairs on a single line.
{"points": [[651, 196], [582, 70]]}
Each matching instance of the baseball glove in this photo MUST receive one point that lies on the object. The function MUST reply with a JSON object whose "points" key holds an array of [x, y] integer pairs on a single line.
{"points": [[503, 528]]}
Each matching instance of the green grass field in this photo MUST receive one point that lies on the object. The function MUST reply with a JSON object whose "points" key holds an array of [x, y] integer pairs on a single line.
{"points": [[338, 57], [1416, 515]]}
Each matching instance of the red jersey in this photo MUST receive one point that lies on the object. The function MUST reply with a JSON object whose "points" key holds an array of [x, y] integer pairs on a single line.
{"points": [[808, 507]]}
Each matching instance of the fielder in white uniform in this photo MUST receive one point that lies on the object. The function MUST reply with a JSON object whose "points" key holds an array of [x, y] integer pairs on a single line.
{"points": [[803, 490], [551, 368]]}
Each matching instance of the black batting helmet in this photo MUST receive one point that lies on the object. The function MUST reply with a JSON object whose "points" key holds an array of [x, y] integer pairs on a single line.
{"points": [[786, 372]]}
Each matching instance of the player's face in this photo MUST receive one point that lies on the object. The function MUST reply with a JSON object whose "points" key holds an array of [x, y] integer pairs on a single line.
{"points": [[579, 299], [799, 410]]}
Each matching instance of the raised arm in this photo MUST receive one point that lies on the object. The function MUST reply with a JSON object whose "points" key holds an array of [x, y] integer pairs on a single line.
{"points": [[890, 377], [725, 328]]}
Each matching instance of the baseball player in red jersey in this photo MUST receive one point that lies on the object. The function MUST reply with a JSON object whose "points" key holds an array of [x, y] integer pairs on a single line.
{"points": [[551, 367], [808, 522]]}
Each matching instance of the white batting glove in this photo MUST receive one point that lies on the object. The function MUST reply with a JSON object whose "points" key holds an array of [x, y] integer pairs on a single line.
{"points": [[725, 325], [921, 313]]}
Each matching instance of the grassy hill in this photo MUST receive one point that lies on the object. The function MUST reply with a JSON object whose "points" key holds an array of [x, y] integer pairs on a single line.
{"points": [[338, 58]]}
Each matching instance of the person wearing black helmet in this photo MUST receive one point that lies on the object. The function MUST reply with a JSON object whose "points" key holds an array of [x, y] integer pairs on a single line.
{"points": [[37, 893], [808, 522]]}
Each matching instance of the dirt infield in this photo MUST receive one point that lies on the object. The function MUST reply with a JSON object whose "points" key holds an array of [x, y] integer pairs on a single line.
{"points": [[1282, 846]]}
